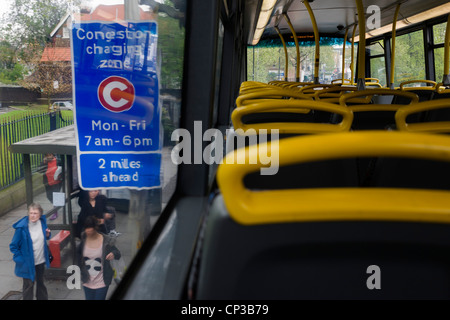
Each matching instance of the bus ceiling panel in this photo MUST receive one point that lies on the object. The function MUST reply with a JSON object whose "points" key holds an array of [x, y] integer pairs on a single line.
{"points": [[333, 13]]}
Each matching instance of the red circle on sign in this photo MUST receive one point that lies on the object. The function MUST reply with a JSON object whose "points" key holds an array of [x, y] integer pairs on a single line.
{"points": [[116, 94]]}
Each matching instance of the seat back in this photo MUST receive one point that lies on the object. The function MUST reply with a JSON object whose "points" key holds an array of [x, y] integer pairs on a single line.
{"points": [[329, 243]]}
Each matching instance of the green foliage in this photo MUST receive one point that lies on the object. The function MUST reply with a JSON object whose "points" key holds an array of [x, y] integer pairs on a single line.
{"points": [[12, 76], [171, 44]]}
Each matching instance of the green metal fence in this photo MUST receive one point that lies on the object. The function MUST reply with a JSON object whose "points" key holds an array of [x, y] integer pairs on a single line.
{"points": [[21, 126]]}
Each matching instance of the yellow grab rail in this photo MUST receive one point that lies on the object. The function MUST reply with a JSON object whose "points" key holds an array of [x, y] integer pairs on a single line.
{"points": [[436, 127], [433, 83], [362, 45], [269, 93], [286, 58], [371, 92], [343, 59], [292, 106], [334, 204], [446, 77], [316, 40], [352, 64], [394, 30], [297, 47]]}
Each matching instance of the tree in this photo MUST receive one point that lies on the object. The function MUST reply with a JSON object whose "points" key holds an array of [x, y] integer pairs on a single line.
{"points": [[49, 78], [25, 30]]}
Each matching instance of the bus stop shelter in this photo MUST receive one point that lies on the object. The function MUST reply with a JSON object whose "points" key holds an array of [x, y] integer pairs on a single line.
{"points": [[60, 142]]}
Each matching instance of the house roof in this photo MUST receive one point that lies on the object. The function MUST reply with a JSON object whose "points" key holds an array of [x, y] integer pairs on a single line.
{"points": [[52, 54], [100, 13], [103, 13]]}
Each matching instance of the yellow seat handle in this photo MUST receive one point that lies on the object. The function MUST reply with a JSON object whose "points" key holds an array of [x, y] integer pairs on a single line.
{"points": [[433, 83], [333, 204], [312, 88], [440, 88], [339, 81], [371, 92], [292, 106], [269, 93], [374, 80], [436, 127]]}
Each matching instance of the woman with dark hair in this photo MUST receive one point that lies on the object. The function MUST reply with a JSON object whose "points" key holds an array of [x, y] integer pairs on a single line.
{"points": [[95, 252], [31, 253], [92, 203]]}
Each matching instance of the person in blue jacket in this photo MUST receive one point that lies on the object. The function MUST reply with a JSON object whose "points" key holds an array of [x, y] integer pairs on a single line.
{"points": [[31, 253]]}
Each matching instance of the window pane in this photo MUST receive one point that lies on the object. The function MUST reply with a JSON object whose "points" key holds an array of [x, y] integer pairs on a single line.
{"points": [[376, 48], [409, 58], [439, 63], [31, 45], [439, 33], [378, 69], [266, 62]]}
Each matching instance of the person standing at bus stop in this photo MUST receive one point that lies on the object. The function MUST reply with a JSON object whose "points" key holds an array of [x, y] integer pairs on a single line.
{"points": [[31, 253], [52, 181]]}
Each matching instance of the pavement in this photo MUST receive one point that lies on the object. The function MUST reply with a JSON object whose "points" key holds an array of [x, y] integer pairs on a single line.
{"points": [[11, 285]]}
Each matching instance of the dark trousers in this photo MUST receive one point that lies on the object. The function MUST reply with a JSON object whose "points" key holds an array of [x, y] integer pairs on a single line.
{"points": [[28, 285], [95, 294]]}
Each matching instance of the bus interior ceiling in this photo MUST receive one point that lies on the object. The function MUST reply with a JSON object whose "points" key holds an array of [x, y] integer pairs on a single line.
{"points": [[359, 139]]}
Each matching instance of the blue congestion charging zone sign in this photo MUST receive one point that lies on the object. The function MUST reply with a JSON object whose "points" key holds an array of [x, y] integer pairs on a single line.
{"points": [[117, 113]]}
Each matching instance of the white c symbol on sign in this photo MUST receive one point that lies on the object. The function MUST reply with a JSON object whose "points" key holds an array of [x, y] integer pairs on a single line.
{"points": [[107, 94]]}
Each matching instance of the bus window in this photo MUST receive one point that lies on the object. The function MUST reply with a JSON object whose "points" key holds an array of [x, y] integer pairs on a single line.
{"points": [[409, 57], [439, 33], [377, 61], [438, 44], [265, 61]]}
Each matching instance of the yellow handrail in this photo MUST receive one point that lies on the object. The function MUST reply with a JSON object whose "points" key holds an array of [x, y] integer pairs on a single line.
{"points": [[343, 58], [352, 64], [316, 39], [286, 59], [293, 106], [361, 45], [394, 30], [446, 77], [297, 47], [436, 127], [334, 204]]}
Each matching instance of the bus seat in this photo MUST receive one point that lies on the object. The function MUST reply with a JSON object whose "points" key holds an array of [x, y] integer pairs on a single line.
{"points": [[436, 119], [293, 116], [375, 116], [326, 243], [424, 93]]}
